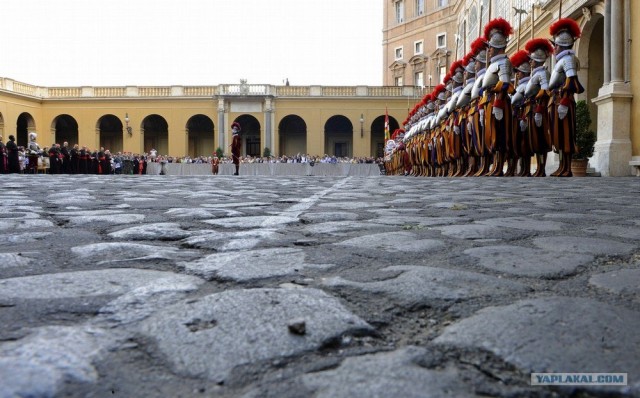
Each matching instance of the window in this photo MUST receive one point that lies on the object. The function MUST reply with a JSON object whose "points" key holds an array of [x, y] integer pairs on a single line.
{"points": [[441, 40], [443, 73], [418, 79], [399, 11], [418, 47], [399, 81], [442, 3], [473, 31], [398, 52], [419, 7]]}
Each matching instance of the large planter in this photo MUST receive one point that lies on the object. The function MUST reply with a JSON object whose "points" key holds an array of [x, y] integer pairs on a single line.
{"points": [[579, 167]]}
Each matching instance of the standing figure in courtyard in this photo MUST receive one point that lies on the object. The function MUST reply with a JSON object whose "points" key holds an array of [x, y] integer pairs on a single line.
{"points": [[497, 83], [564, 85], [4, 161], [236, 143], [520, 128], [537, 98], [13, 157]]}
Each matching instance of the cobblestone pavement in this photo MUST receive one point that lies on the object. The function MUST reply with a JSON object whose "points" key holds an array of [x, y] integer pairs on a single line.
{"points": [[328, 287]]}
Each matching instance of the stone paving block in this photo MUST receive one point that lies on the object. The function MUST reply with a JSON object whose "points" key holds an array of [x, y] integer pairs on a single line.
{"points": [[416, 285], [113, 252], [253, 221], [85, 283], [152, 231], [624, 281], [41, 362], [575, 244], [211, 336], [525, 223], [387, 374], [525, 261], [482, 231], [251, 265], [555, 334], [394, 242]]}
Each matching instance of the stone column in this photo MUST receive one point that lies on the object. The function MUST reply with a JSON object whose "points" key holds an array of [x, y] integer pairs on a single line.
{"points": [[607, 42], [268, 126], [222, 129], [613, 148]]}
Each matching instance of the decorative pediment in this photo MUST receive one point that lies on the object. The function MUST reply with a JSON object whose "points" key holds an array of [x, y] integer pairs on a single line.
{"points": [[398, 65], [418, 59]]}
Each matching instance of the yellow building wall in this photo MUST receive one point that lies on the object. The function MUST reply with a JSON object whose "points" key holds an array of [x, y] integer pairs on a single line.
{"points": [[635, 80]]}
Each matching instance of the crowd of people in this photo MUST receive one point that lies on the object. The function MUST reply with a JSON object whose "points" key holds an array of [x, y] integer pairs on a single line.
{"points": [[493, 111], [65, 159]]}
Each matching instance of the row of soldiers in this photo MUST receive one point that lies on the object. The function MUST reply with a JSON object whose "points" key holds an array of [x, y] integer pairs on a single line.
{"points": [[492, 110]]}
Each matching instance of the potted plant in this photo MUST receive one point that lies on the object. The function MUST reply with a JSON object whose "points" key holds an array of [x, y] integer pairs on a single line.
{"points": [[266, 152], [219, 152], [585, 140]]}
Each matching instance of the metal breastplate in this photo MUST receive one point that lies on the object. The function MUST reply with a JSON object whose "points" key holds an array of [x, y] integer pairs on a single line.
{"points": [[465, 96], [518, 97], [490, 78], [451, 105], [539, 80], [475, 91]]}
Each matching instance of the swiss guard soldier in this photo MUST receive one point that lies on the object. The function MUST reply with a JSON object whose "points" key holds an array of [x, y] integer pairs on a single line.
{"points": [[537, 98], [497, 81], [520, 128], [478, 105], [464, 101], [564, 84], [440, 97], [457, 130], [215, 164], [34, 152]]}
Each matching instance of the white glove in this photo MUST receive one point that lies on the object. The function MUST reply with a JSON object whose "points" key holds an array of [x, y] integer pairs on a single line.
{"points": [[562, 111], [469, 128], [498, 113], [538, 119], [523, 126], [456, 130], [481, 111], [447, 127]]}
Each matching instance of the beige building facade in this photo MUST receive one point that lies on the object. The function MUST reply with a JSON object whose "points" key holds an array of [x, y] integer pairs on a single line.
{"points": [[608, 52], [194, 121]]}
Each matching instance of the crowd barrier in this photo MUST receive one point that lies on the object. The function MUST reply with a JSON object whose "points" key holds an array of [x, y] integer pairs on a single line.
{"points": [[269, 169]]}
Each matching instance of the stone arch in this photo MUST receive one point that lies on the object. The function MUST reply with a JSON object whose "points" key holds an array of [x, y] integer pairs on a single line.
{"points": [[2, 127], [110, 129], [25, 124], [292, 133], [156, 134], [65, 129], [250, 134], [200, 130], [590, 50], [338, 136]]}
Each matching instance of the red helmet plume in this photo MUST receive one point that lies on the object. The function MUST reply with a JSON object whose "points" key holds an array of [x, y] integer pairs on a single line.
{"points": [[519, 58], [499, 24], [565, 24], [535, 44]]}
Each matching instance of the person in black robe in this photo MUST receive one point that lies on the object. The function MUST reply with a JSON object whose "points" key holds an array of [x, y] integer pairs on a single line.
{"points": [[74, 156], [13, 158], [66, 158], [84, 161], [54, 160], [4, 162]]}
